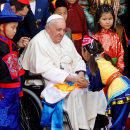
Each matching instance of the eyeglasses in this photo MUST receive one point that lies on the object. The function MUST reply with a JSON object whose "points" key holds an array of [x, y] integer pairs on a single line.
{"points": [[21, 14]]}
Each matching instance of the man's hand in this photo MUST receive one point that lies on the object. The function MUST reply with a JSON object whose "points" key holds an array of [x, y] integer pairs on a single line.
{"points": [[38, 21], [74, 79], [23, 42], [81, 74], [83, 83]]}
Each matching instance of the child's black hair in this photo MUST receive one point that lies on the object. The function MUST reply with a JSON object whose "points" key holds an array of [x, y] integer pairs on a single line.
{"points": [[94, 49], [59, 3], [100, 10]]}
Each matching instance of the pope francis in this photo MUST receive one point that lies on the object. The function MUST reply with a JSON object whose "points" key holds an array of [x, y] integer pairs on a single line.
{"points": [[53, 55]]}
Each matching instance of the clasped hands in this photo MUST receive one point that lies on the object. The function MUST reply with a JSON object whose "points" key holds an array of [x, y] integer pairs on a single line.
{"points": [[81, 80]]}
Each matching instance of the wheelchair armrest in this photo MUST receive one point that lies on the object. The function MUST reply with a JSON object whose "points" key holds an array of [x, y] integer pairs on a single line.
{"points": [[36, 77]]}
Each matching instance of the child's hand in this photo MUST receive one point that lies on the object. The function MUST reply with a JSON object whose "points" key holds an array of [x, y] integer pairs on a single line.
{"points": [[83, 83], [23, 42], [38, 21]]}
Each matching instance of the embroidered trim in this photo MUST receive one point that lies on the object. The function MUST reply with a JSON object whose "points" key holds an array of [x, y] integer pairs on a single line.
{"points": [[4, 39], [126, 100], [13, 64]]}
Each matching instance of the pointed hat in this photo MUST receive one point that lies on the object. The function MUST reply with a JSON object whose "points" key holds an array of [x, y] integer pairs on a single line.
{"points": [[7, 15]]}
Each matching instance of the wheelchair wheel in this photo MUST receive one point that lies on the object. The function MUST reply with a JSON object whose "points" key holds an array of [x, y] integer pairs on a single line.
{"points": [[31, 110]]}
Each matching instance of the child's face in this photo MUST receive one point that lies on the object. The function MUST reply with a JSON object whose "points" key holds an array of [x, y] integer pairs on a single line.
{"points": [[61, 11], [86, 55], [11, 29], [71, 1], [106, 20]]}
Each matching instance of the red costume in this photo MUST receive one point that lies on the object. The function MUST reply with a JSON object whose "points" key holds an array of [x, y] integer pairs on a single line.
{"points": [[76, 21], [112, 46]]}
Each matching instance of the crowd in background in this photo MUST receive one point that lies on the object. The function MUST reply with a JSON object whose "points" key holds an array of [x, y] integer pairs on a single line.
{"points": [[96, 28]]}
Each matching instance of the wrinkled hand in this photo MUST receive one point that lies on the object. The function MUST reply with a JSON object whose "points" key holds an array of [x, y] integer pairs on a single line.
{"points": [[23, 42], [81, 74], [83, 83], [38, 21], [75, 79]]}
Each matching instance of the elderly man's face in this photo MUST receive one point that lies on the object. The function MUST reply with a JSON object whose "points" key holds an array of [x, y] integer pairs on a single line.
{"points": [[56, 30]]}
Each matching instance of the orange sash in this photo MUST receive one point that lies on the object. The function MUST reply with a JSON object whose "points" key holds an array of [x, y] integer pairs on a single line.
{"points": [[77, 36]]}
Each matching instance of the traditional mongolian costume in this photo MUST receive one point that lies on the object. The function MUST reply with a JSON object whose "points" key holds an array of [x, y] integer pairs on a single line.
{"points": [[10, 72], [55, 62], [76, 21], [112, 46], [118, 98]]}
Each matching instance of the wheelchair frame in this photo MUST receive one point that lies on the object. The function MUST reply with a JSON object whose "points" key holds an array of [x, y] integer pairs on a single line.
{"points": [[31, 105]]}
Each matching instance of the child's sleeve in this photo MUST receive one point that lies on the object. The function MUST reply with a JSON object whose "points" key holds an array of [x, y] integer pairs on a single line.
{"points": [[96, 82]]}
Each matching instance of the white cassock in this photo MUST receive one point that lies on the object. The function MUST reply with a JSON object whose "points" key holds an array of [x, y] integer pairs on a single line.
{"points": [[44, 57]]}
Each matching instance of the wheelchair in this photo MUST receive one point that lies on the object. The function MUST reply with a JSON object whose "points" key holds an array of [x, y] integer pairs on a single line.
{"points": [[31, 105]]}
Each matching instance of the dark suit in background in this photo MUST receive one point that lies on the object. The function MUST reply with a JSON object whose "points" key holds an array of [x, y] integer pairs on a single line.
{"points": [[42, 12], [29, 23]]}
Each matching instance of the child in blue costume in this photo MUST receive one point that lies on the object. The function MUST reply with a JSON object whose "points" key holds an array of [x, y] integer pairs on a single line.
{"points": [[10, 71], [102, 71]]}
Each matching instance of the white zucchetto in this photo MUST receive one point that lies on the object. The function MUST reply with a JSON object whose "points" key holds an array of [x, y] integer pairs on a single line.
{"points": [[54, 16]]}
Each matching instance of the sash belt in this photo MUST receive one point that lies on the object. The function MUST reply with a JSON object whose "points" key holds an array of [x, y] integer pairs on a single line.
{"points": [[77, 36], [113, 77]]}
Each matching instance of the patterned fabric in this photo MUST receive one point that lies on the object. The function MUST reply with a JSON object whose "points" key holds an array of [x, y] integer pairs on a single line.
{"points": [[10, 67], [69, 33], [10, 110], [89, 17], [14, 65], [112, 46]]}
